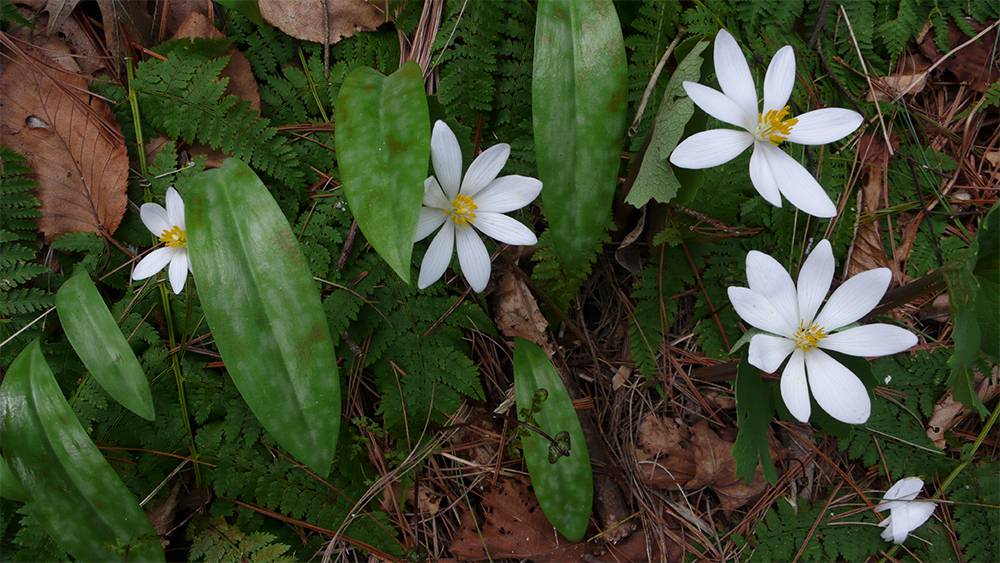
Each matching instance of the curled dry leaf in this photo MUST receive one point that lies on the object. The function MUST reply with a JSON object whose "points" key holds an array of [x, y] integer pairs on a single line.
{"points": [[239, 72], [518, 314], [948, 412], [72, 142], [307, 20]]}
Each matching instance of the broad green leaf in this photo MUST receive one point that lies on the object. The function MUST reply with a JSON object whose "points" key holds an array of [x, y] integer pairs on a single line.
{"points": [[578, 101], [75, 493], [10, 485], [753, 416], [264, 310], [383, 145], [564, 488], [656, 178], [101, 345]]}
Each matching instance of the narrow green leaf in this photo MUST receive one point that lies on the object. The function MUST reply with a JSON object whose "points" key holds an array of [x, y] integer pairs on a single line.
{"points": [[75, 493], [383, 145], [264, 310], [753, 416], [578, 100], [10, 486], [987, 271], [656, 178], [563, 483], [95, 336]]}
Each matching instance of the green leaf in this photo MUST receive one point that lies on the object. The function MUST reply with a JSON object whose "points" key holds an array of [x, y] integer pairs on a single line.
{"points": [[383, 144], [264, 310], [656, 178], [753, 415], [578, 100], [101, 345], [10, 486], [963, 288], [987, 271], [564, 487], [75, 493], [247, 8]]}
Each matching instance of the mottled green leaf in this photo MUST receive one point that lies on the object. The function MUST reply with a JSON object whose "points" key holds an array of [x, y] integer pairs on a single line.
{"points": [[264, 310], [753, 417], [383, 145], [75, 493], [101, 345], [564, 488]]}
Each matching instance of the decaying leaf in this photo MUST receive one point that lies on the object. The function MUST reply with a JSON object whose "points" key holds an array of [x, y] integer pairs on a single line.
{"points": [[911, 78], [306, 20], [661, 453], [518, 313], [948, 412], [868, 252], [974, 65], [239, 72]]}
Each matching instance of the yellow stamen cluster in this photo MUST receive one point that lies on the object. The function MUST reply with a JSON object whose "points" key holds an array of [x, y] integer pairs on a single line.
{"points": [[773, 125], [463, 210], [808, 337], [174, 237]]}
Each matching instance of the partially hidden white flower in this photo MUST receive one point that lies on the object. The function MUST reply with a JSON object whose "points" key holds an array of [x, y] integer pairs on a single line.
{"points": [[905, 512], [796, 326], [168, 225], [772, 172], [466, 205]]}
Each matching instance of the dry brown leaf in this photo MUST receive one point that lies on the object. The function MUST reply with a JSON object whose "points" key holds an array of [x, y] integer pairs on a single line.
{"points": [[620, 377], [306, 20], [973, 65], [715, 467], [518, 314], [911, 78], [662, 453], [868, 252], [238, 71], [72, 142], [948, 412]]}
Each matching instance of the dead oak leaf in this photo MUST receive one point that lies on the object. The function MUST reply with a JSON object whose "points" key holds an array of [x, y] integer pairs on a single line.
{"points": [[662, 453], [307, 20], [715, 467]]}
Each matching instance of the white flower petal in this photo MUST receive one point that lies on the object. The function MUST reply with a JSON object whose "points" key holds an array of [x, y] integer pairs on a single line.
{"points": [[710, 148], [734, 74], [887, 532], [904, 489], [430, 219], [854, 299], [433, 195], [909, 516], [446, 156], [797, 184], [438, 256], [154, 216], [718, 105], [837, 390], [175, 208], [762, 177], [768, 351], [473, 258], [178, 270], [795, 389], [779, 79], [815, 278], [870, 341], [768, 278], [153, 263], [504, 229], [822, 126], [756, 310], [485, 168], [508, 193]]}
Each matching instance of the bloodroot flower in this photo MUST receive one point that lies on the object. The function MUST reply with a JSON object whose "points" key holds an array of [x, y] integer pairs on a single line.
{"points": [[794, 325], [905, 513], [168, 225], [467, 206], [771, 170]]}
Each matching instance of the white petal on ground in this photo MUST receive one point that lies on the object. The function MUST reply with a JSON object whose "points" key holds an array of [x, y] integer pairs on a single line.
{"points": [[430, 219], [779, 79], [815, 278], [433, 195], [854, 299], [710, 148], [837, 390], [907, 517], [485, 168], [718, 105], [473, 258], [762, 177], [797, 184], [902, 490], [768, 278], [175, 208], [446, 156], [504, 229], [767, 351], [822, 126], [756, 310], [438, 256], [870, 340], [154, 216], [178, 270], [734, 74], [795, 389], [153, 262], [508, 193]]}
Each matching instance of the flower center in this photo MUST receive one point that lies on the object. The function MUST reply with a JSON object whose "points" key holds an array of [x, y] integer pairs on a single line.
{"points": [[808, 337], [174, 237], [774, 125], [463, 210]]}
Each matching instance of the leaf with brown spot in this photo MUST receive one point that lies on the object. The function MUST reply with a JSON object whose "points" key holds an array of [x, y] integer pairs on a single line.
{"points": [[306, 20], [241, 81]]}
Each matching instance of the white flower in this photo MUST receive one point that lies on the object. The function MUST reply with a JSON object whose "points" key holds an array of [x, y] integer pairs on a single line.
{"points": [[168, 225], [465, 205], [771, 170], [905, 513], [774, 305]]}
